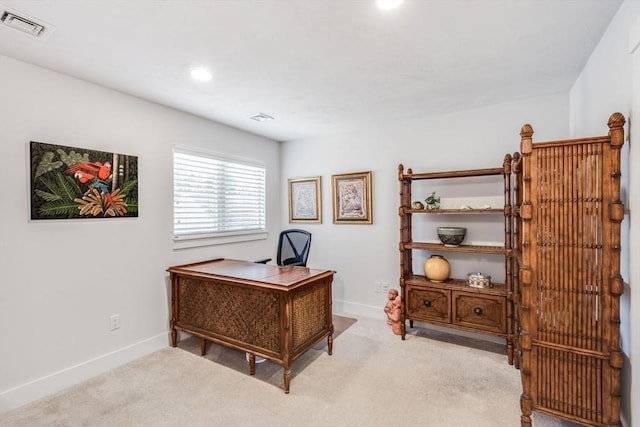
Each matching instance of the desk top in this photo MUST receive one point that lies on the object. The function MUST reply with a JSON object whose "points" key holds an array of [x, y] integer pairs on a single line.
{"points": [[247, 271]]}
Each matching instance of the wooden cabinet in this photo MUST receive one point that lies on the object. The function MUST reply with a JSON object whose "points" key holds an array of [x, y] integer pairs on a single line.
{"points": [[428, 304], [453, 303], [485, 312]]}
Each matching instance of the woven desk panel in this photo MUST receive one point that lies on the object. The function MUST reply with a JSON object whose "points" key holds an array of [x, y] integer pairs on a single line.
{"points": [[249, 315], [312, 301]]}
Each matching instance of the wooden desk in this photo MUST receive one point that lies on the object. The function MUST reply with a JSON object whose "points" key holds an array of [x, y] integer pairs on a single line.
{"points": [[274, 312]]}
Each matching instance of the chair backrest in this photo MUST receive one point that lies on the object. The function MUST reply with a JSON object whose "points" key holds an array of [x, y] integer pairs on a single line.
{"points": [[293, 247]]}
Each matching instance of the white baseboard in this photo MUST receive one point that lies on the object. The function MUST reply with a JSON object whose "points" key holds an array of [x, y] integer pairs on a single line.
{"points": [[57, 381], [349, 308]]}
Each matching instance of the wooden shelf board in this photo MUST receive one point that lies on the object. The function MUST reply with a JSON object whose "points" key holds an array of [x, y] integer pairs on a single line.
{"points": [[453, 211], [454, 326], [455, 285], [462, 248], [454, 174]]}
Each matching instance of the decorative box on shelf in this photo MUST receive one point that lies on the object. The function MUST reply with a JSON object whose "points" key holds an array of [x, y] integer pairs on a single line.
{"points": [[479, 280]]}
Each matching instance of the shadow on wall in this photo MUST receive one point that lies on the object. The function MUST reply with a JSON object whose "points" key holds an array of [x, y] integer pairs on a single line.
{"points": [[625, 404]]}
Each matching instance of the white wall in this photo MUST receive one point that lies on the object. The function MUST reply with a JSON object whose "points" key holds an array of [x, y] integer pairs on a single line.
{"points": [[365, 254], [61, 280], [611, 82]]}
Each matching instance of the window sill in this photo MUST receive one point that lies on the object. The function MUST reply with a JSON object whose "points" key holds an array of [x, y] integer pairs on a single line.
{"points": [[187, 242]]}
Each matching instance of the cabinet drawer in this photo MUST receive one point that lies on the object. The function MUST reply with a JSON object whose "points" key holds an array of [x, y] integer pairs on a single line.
{"points": [[485, 312], [429, 304]]}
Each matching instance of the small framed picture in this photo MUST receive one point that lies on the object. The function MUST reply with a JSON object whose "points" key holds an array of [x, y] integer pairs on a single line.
{"points": [[352, 198], [305, 204]]}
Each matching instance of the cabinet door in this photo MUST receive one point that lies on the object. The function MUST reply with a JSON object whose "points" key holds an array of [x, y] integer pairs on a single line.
{"points": [[429, 304], [487, 312]]}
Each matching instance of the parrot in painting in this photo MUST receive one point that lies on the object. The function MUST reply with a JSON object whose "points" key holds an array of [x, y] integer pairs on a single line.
{"points": [[94, 174], [88, 171]]}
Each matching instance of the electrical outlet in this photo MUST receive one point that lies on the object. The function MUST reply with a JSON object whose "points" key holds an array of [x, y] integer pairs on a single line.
{"points": [[385, 287], [114, 322], [378, 287]]}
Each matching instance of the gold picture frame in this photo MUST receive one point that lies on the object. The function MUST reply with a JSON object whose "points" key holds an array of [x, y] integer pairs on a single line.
{"points": [[352, 202], [305, 201]]}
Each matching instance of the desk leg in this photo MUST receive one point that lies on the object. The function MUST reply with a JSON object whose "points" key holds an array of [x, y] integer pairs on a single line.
{"points": [[252, 364], [330, 344], [287, 379], [203, 347]]}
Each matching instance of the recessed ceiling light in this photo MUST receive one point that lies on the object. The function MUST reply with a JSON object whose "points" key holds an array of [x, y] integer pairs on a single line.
{"points": [[201, 74], [261, 117], [388, 4]]}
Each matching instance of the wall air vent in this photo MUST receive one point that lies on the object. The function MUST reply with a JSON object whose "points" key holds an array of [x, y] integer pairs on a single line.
{"points": [[22, 22]]}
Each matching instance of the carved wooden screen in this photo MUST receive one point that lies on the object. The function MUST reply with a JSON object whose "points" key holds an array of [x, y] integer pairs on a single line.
{"points": [[570, 282], [516, 256]]}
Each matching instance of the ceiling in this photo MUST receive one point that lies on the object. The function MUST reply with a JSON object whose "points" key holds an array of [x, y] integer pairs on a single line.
{"points": [[317, 66]]}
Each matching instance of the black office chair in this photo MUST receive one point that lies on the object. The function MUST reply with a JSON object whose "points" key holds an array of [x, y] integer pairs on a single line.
{"points": [[293, 248]]}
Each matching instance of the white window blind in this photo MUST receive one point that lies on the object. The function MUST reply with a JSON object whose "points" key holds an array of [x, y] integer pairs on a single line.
{"points": [[216, 196]]}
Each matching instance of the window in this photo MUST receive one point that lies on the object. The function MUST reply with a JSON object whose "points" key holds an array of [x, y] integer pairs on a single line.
{"points": [[216, 197]]}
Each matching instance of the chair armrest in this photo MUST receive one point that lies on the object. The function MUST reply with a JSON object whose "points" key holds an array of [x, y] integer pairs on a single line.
{"points": [[263, 261]]}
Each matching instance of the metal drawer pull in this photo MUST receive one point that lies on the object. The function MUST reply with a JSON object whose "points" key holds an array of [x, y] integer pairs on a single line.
{"points": [[478, 311], [427, 303]]}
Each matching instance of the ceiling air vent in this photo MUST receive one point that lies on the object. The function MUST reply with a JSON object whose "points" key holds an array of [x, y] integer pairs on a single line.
{"points": [[261, 117], [26, 24]]}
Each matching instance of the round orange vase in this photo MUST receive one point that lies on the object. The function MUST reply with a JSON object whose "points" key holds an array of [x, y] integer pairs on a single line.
{"points": [[437, 268]]}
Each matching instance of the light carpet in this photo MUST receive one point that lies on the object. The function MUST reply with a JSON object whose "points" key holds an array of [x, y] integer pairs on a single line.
{"points": [[373, 378]]}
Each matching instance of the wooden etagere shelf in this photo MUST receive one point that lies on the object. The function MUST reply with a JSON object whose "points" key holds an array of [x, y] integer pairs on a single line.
{"points": [[453, 303]]}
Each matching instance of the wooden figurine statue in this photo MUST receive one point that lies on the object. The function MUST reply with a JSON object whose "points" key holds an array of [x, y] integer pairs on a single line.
{"points": [[393, 309]]}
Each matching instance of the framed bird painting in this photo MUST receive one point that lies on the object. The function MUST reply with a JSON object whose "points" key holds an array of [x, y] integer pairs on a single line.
{"points": [[69, 182]]}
